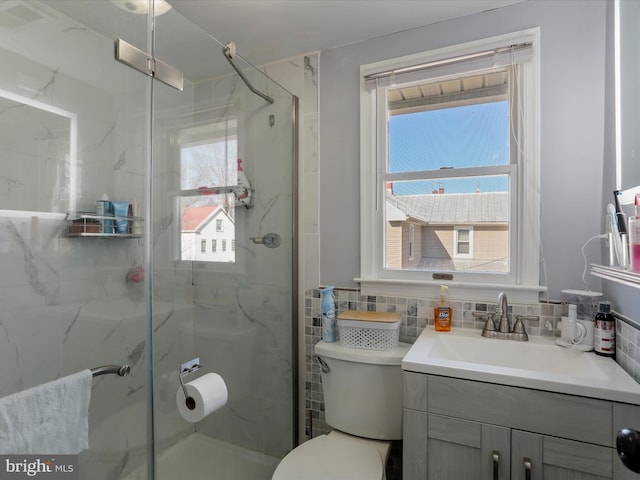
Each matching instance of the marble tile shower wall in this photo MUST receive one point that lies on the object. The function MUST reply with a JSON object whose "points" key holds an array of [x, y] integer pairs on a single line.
{"points": [[416, 314]]}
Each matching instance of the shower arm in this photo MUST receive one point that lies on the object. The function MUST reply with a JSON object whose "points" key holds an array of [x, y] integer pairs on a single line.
{"points": [[229, 51]]}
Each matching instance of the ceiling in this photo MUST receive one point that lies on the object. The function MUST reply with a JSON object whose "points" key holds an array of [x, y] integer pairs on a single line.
{"points": [[268, 30]]}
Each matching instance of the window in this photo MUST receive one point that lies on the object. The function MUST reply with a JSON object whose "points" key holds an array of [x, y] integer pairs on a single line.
{"points": [[463, 242], [208, 159], [224, 245], [203, 246], [449, 166]]}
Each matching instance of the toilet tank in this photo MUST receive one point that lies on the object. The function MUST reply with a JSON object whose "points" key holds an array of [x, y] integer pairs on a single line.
{"points": [[363, 390]]}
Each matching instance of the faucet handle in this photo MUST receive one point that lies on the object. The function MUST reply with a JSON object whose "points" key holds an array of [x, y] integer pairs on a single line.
{"points": [[519, 331], [490, 328]]}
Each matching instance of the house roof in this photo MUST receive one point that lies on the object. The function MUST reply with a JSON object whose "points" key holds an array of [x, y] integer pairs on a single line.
{"points": [[453, 208], [193, 217]]}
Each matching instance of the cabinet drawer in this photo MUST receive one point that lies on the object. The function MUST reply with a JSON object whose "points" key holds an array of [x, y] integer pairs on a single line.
{"points": [[557, 458], [577, 418], [577, 456], [624, 416]]}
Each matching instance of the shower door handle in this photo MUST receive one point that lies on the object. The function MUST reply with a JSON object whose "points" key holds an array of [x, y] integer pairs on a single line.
{"points": [[270, 240]]}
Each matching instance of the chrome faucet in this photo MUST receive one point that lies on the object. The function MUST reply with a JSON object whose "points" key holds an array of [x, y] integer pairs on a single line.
{"points": [[503, 329], [504, 326]]}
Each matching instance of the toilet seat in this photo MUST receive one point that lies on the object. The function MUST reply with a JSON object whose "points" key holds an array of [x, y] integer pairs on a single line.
{"points": [[331, 457]]}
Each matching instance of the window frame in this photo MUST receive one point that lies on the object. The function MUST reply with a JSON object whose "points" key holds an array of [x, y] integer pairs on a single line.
{"points": [[456, 241], [523, 282], [184, 138]]}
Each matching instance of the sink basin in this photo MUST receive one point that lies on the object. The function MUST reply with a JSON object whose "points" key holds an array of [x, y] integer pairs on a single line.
{"points": [[534, 355], [538, 363]]}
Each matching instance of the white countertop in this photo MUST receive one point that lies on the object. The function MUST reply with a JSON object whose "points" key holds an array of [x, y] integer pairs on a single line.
{"points": [[539, 364]]}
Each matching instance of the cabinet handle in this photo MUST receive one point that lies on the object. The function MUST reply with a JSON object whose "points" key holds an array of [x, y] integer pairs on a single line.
{"points": [[496, 464], [527, 468]]}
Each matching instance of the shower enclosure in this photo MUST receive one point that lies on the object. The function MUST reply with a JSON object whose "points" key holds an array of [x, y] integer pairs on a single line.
{"points": [[200, 265]]}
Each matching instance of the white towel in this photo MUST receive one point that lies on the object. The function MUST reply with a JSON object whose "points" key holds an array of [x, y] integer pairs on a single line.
{"points": [[52, 418]]}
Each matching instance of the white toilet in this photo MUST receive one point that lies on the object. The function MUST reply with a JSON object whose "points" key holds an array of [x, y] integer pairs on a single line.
{"points": [[363, 403]]}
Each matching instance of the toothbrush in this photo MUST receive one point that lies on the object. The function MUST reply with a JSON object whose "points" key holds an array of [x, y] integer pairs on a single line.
{"points": [[617, 242], [620, 216]]}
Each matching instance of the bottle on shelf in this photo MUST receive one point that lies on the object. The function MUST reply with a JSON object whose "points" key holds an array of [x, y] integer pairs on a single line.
{"points": [[634, 237], [243, 195], [103, 208]]}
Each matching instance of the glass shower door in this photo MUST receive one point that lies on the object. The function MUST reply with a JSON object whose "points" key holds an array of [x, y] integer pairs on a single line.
{"points": [[223, 255], [73, 125]]}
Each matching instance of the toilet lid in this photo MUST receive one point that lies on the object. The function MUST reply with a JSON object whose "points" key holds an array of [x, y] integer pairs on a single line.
{"points": [[330, 458]]}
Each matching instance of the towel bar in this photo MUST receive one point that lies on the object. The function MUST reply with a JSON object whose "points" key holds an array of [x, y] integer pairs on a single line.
{"points": [[121, 370]]}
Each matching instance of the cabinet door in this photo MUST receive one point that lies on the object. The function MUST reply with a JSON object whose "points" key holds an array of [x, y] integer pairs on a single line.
{"points": [[460, 449], [539, 457]]}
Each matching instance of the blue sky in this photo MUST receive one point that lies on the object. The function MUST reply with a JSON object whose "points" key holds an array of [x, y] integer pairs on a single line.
{"points": [[474, 135]]}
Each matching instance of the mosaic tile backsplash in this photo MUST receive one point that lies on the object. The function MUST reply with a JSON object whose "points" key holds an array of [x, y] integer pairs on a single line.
{"points": [[416, 314]]}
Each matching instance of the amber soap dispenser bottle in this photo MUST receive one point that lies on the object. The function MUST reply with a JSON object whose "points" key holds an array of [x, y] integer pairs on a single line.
{"points": [[443, 313]]}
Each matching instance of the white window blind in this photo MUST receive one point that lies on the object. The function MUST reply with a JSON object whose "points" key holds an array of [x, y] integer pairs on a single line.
{"points": [[501, 56]]}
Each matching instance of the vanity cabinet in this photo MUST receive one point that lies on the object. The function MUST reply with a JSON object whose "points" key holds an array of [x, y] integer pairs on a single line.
{"points": [[464, 429], [463, 449]]}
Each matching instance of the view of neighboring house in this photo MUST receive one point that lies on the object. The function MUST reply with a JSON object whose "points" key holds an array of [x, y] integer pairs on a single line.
{"points": [[207, 234], [453, 231]]}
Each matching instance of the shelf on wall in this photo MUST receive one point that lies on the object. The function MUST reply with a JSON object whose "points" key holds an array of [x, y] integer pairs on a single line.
{"points": [[618, 275], [88, 224]]}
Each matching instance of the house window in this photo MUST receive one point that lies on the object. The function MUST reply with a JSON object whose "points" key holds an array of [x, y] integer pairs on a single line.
{"points": [[224, 245], [208, 160], [214, 244], [463, 242], [203, 246], [450, 159]]}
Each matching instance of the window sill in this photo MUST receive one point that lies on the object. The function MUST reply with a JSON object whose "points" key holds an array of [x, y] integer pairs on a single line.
{"points": [[618, 275], [460, 291]]}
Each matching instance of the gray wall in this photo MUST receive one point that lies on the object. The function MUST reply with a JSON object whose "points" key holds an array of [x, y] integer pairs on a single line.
{"points": [[573, 54], [626, 300]]}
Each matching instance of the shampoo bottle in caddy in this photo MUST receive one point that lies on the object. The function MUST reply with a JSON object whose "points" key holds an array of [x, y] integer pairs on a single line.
{"points": [[328, 315], [103, 208]]}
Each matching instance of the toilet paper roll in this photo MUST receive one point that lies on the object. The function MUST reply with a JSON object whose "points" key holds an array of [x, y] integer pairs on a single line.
{"points": [[208, 392]]}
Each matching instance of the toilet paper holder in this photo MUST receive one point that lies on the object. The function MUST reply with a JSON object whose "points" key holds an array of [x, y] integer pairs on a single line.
{"points": [[188, 368]]}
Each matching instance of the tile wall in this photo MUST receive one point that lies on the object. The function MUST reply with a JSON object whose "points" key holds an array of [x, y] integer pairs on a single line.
{"points": [[628, 346]]}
